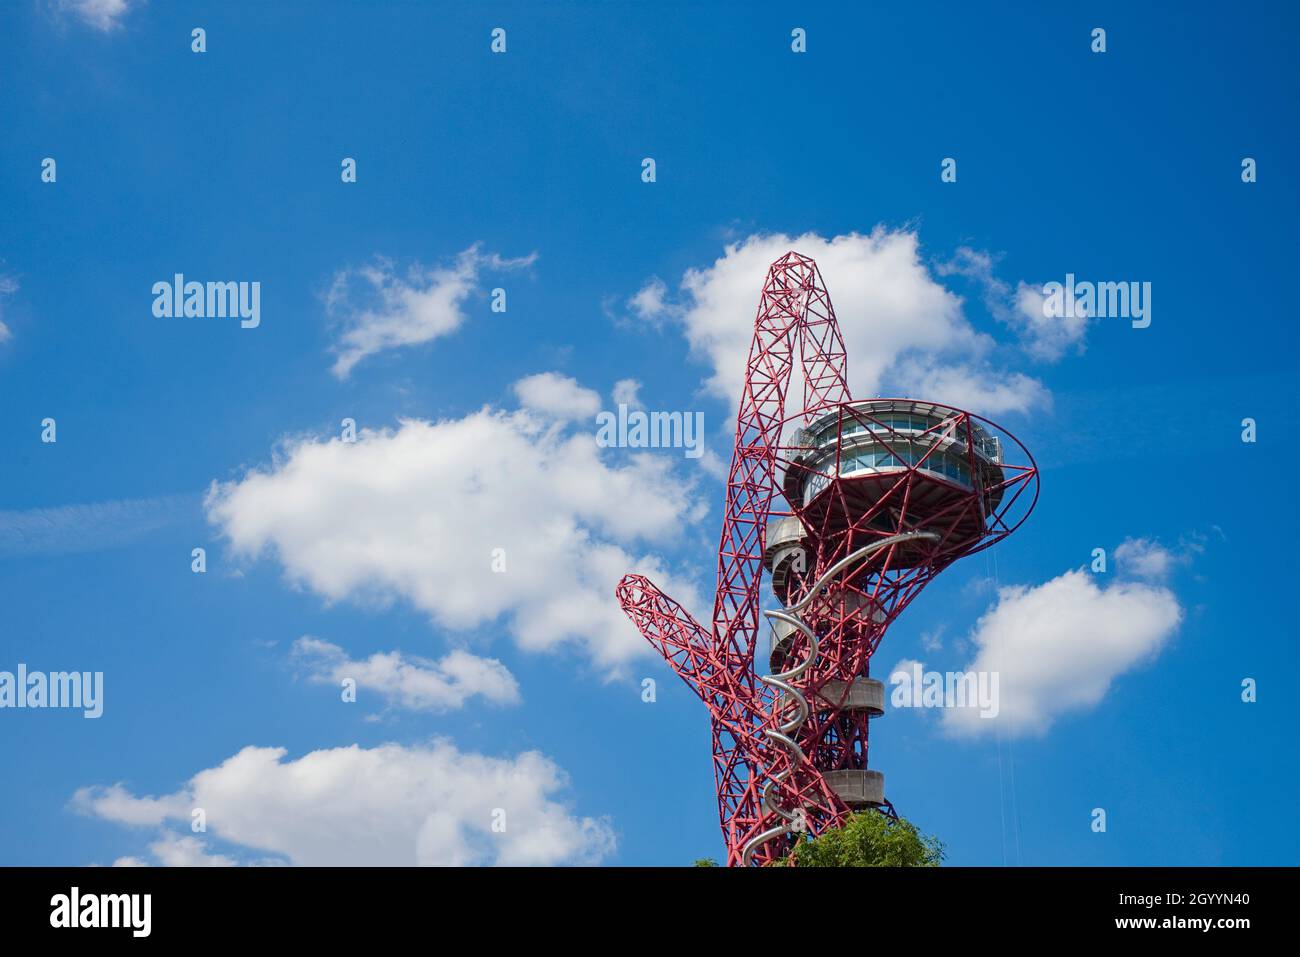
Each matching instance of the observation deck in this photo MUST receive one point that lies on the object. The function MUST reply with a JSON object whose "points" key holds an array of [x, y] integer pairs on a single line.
{"points": [[882, 465]]}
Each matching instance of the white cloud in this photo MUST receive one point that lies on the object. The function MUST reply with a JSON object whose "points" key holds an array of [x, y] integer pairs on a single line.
{"points": [[974, 388], [411, 683], [387, 805], [418, 512], [1044, 337], [627, 392], [1147, 558], [102, 15], [116, 803], [1058, 646], [381, 310], [175, 850], [932, 641], [558, 396], [904, 332], [650, 302]]}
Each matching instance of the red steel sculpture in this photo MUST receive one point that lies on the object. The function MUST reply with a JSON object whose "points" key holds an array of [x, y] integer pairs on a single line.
{"points": [[880, 495]]}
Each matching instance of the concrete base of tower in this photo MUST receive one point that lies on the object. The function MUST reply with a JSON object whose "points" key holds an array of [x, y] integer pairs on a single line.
{"points": [[857, 788]]}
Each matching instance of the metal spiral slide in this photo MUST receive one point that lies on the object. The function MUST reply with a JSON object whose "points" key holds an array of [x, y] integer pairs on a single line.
{"points": [[784, 733]]}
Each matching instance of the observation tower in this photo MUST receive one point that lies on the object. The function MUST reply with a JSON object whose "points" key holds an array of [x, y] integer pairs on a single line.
{"points": [[875, 498]]}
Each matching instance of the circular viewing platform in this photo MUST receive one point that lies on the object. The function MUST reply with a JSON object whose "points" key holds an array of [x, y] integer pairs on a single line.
{"points": [[858, 788], [898, 464]]}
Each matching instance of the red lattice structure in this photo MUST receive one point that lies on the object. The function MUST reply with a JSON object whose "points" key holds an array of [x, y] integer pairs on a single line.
{"points": [[878, 497]]}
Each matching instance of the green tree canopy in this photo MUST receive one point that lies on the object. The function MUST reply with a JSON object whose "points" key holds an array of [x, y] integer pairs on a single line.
{"points": [[867, 839]]}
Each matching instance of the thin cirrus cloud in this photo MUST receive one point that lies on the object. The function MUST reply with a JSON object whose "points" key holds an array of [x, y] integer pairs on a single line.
{"points": [[410, 683], [516, 516], [904, 331], [390, 805], [379, 308], [67, 529], [8, 286], [102, 15]]}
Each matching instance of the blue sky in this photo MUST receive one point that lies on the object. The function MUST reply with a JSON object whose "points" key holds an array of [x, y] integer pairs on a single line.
{"points": [[522, 171]]}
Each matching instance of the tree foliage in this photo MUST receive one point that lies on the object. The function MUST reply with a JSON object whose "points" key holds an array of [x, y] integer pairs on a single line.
{"points": [[867, 839]]}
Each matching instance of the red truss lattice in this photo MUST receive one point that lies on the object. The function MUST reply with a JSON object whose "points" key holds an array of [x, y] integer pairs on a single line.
{"points": [[918, 514]]}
